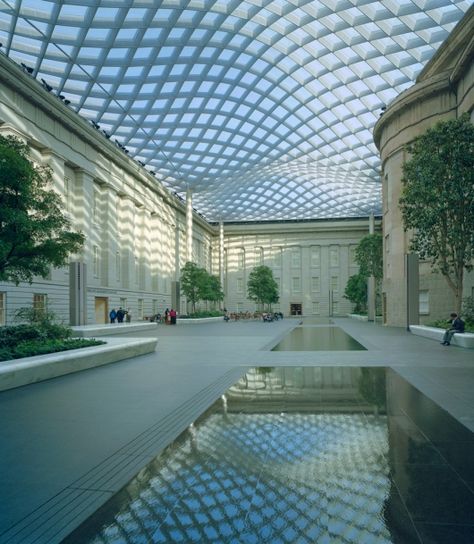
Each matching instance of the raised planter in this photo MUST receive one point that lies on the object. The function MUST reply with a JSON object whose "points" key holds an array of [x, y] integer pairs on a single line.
{"points": [[464, 340], [193, 320], [359, 317], [28, 370], [109, 329]]}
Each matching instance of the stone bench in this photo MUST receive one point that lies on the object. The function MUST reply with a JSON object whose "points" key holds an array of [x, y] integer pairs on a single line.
{"points": [[108, 329], [19, 372], [464, 340]]}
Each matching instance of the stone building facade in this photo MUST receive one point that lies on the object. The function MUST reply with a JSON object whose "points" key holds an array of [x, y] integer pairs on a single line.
{"points": [[136, 230], [444, 90]]}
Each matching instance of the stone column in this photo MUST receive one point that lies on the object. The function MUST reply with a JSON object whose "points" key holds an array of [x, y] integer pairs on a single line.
{"points": [[221, 253], [371, 282], [189, 225]]}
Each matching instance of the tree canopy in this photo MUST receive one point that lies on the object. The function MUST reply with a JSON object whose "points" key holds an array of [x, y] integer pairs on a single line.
{"points": [[437, 201], [34, 233], [197, 284], [261, 286], [356, 292], [369, 256]]}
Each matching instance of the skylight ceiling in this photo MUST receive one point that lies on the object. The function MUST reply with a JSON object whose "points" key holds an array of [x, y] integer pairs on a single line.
{"points": [[263, 108]]}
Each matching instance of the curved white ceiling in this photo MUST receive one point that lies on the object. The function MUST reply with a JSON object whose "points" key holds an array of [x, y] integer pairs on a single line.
{"points": [[263, 108]]}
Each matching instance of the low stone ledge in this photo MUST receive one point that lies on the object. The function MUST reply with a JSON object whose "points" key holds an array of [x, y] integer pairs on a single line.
{"points": [[463, 340], [193, 320], [108, 329], [359, 317], [28, 370]]}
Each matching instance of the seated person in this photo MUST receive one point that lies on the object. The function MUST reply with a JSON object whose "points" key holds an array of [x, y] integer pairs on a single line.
{"points": [[457, 326]]}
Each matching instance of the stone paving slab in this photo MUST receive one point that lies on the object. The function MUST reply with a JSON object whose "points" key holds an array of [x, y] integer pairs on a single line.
{"points": [[67, 443]]}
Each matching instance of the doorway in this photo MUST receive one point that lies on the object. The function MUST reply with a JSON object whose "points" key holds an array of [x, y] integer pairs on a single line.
{"points": [[101, 304], [296, 309]]}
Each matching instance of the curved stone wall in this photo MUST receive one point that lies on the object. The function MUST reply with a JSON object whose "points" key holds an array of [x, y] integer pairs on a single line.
{"points": [[444, 90]]}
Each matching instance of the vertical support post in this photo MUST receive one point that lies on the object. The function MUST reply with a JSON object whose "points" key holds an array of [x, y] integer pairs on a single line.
{"points": [[189, 225], [413, 286], [221, 253], [371, 281]]}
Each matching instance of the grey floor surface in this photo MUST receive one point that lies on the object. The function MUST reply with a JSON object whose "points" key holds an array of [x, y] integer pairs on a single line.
{"points": [[68, 444]]}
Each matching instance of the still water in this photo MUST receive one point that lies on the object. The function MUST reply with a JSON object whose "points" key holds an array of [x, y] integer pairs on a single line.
{"points": [[303, 455], [317, 338]]}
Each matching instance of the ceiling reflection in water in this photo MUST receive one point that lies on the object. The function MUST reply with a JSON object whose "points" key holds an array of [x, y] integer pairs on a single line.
{"points": [[288, 455]]}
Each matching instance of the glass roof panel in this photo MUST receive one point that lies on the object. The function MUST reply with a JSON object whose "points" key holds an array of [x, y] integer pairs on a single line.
{"points": [[247, 98]]}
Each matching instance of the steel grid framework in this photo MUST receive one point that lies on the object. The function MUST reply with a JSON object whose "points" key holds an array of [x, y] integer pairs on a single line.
{"points": [[263, 108]]}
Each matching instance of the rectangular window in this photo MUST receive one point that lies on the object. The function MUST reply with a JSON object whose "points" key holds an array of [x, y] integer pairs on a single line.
{"points": [[424, 302], [95, 261], [40, 302], [240, 307], [258, 256], [296, 257], [137, 269], [95, 207], [67, 193], [315, 256], [315, 308], [315, 284], [118, 266], [3, 308], [241, 259], [335, 308], [352, 256], [140, 308], [296, 284], [240, 285], [387, 256], [123, 303], [154, 307], [333, 256], [277, 257], [335, 284]]}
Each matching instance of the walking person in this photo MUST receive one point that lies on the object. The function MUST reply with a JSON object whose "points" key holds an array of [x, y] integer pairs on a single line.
{"points": [[457, 326], [120, 315], [113, 315], [173, 315], [167, 316], [128, 315]]}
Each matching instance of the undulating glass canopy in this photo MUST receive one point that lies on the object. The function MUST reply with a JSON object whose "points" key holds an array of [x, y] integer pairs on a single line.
{"points": [[264, 109]]}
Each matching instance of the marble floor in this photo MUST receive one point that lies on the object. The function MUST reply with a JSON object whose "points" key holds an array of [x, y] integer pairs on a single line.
{"points": [[69, 444]]}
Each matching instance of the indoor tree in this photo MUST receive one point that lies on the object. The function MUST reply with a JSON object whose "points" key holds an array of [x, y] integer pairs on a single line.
{"points": [[369, 257], [262, 287], [356, 292], [437, 200], [197, 284], [192, 282], [34, 232]]}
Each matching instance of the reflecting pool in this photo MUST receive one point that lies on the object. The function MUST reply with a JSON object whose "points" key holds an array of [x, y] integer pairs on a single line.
{"points": [[303, 455], [317, 338]]}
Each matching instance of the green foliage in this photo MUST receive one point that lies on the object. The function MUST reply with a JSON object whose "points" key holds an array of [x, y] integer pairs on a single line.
{"points": [[356, 292], [41, 334], [34, 233], [261, 286], [468, 311], [203, 313], [212, 290], [369, 256], [197, 284], [437, 201], [45, 321], [444, 324], [29, 348]]}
